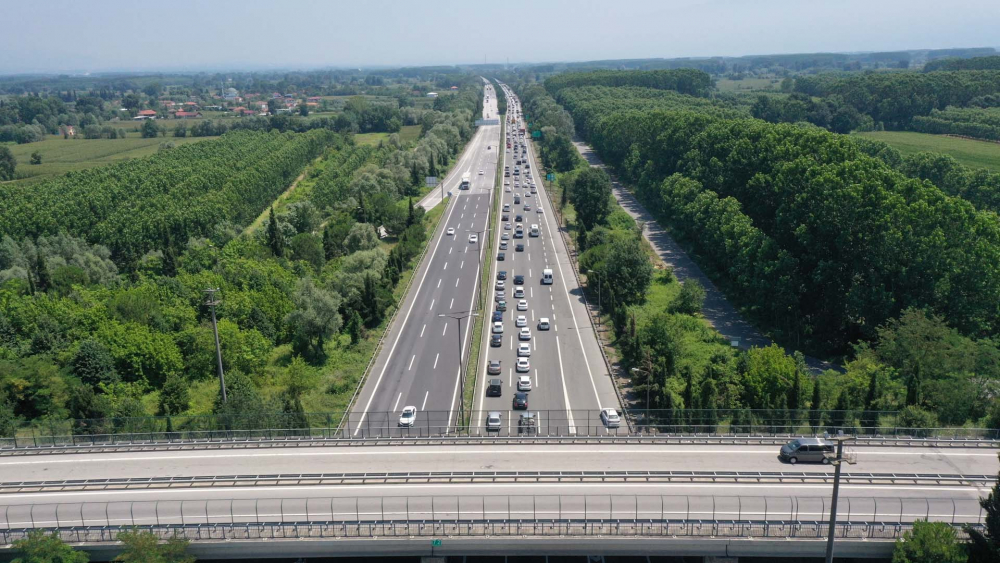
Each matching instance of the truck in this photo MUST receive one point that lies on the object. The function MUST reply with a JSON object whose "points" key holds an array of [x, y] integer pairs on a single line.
{"points": [[466, 181], [527, 424]]}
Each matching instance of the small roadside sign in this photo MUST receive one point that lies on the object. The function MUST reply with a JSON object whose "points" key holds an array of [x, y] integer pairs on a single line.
{"points": [[550, 177], [536, 133], [436, 543], [431, 181]]}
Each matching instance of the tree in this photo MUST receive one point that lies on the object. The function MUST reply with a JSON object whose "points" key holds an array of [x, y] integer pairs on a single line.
{"points": [[36, 157], [690, 299], [275, 239], [40, 547], [174, 398], [410, 216], [929, 542], [303, 109], [984, 547], [42, 278], [629, 266], [149, 129], [144, 547], [591, 196], [93, 363], [815, 410], [7, 164], [308, 247], [316, 316], [362, 236]]}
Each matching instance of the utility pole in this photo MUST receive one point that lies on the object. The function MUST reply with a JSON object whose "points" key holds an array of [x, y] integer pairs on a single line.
{"points": [[838, 463], [212, 302]]}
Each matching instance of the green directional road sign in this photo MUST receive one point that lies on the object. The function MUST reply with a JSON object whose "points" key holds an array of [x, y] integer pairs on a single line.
{"points": [[536, 133], [550, 177], [436, 543]]}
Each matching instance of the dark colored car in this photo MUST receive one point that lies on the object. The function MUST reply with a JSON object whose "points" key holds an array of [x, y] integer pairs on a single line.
{"points": [[506, 217], [518, 219], [501, 306], [500, 256], [502, 275], [495, 388], [519, 248], [519, 279], [520, 401], [496, 340], [497, 316]]}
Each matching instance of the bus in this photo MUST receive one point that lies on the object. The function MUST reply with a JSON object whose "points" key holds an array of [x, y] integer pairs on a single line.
{"points": [[466, 182]]}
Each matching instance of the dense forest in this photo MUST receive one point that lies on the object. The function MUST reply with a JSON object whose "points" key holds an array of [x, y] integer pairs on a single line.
{"points": [[103, 273], [835, 245]]}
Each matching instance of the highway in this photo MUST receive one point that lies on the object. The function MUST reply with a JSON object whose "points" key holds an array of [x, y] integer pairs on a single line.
{"points": [[567, 371], [418, 364]]}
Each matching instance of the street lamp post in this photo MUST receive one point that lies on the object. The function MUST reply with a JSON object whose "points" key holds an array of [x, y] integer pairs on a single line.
{"points": [[461, 364], [838, 463]]}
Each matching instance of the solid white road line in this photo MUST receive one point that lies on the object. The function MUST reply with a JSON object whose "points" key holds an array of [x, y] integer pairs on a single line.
{"points": [[562, 376]]}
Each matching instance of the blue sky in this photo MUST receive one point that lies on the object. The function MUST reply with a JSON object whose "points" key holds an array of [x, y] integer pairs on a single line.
{"points": [[75, 36]]}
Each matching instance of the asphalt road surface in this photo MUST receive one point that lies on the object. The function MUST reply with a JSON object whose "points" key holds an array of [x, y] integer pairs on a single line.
{"points": [[566, 369], [418, 365]]}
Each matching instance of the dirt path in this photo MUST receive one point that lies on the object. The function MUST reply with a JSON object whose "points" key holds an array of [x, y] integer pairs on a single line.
{"points": [[717, 310]]}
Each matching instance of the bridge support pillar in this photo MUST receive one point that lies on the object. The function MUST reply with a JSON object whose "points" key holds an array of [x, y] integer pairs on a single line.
{"points": [[433, 559], [721, 559]]}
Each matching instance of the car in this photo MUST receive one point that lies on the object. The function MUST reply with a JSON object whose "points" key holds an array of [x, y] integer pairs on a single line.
{"points": [[506, 189], [480, 172], [498, 295], [503, 245], [525, 334], [524, 383], [808, 450], [527, 194], [522, 365], [518, 219], [450, 231], [505, 217], [610, 418], [519, 279], [493, 368], [496, 340], [506, 226], [498, 327], [538, 210], [499, 285], [518, 292], [493, 421], [521, 321], [473, 238], [520, 401], [522, 305], [500, 256], [506, 207], [524, 349], [494, 387], [408, 416], [519, 248], [488, 147], [502, 275], [505, 236], [543, 323], [527, 207], [497, 316], [501, 305]]}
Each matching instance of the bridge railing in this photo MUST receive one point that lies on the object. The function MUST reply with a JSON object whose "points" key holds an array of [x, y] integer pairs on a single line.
{"points": [[478, 515]]}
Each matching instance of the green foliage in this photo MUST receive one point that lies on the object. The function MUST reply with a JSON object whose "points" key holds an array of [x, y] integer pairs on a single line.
{"points": [[929, 542], [36, 158], [685, 80], [40, 547], [92, 363], [974, 63], [590, 195], [691, 298], [7, 164], [174, 397], [144, 547], [362, 236], [984, 546], [316, 316], [629, 266]]}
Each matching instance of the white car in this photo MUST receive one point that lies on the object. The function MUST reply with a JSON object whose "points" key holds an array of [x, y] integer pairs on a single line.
{"points": [[543, 323], [523, 350], [539, 210], [498, 327], [610, 418], [522, 365], [499, 285], [518, 292], [408, 417], [521, 321], [480, 172], [523, 383], [525, 334], [506, 189], [473, 238], [450, 231], [522, 305]]}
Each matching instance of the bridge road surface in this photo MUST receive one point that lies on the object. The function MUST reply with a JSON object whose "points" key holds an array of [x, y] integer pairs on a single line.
{"points": [[570, 382], [418, 364], [892, 499]]}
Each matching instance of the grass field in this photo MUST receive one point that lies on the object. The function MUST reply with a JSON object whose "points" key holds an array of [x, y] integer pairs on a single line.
{"points": [[409, 133], [64, 155], [976, 154]]}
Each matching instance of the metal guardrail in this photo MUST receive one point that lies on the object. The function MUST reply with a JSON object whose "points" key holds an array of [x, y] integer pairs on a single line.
{"points": [[276, 438], [449, 477]]}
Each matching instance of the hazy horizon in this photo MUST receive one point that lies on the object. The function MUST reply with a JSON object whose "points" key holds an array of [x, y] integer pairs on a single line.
{"points": [[60, 36]]}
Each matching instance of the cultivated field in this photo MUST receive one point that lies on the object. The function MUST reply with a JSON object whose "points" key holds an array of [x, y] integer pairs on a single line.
{"points": [[977, 154]]}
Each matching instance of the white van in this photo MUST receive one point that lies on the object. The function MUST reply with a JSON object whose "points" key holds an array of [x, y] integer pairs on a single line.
{"points": [[534, 231], [547, 276]]}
